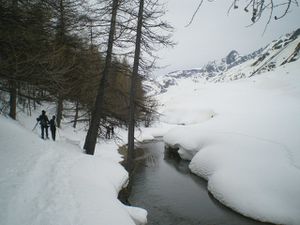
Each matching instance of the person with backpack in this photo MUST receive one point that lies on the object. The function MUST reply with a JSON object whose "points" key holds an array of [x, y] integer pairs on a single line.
{"points": [[52, 124], [107, 134], [43, 119], [112, 130]]}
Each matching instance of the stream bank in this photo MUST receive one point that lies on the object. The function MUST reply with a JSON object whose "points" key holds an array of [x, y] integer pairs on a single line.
{"points": [[163, 185]]}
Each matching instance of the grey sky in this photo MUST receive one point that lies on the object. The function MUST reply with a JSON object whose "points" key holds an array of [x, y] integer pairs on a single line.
{"points": [[213, 34]]}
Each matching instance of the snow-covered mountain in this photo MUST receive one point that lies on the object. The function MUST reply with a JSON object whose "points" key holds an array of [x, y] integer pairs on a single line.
{"points": [[235, 66]]}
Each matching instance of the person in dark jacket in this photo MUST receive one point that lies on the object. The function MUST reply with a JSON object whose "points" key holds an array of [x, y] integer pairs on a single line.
{"points": [[52, 124], [107, 134], [43, 119], [112, 131]]}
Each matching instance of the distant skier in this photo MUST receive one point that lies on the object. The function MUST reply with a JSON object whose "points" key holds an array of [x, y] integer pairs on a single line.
{"points": [[107, 134], [52, 124], [43, 119], [112, 130]]}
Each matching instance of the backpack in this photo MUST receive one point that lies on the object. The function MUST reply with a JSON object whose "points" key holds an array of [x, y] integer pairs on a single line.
{"points": [[43, 120]]}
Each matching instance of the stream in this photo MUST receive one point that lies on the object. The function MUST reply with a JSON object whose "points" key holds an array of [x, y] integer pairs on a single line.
{"points": [[164, 186]]}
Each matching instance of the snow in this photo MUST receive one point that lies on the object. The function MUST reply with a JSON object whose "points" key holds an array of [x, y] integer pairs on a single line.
{"points": [[245, 140], [186, 114], [46, 182]]}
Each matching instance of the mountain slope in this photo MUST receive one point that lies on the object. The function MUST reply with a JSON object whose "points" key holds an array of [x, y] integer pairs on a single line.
{"points": [[235, 66]]}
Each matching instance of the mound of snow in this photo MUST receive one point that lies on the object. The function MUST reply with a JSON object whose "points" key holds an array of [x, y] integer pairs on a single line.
{"points": [[186, 115], [252, 176]]}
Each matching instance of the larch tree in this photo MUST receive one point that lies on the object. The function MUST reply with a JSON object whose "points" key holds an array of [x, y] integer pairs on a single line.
{"points": [[150, 32], [22, 45], [92, 134], [135, 70], [66, 16]]}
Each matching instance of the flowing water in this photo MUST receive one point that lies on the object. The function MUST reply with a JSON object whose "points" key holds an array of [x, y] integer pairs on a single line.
{"points": [[163, 185]]}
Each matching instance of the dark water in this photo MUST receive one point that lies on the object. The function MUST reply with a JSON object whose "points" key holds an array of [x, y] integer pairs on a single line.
{"points": [[163, 185]]}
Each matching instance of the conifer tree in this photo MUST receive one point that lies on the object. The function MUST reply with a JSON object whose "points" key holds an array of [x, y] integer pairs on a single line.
{"points": [[22, 45], [148, 36], [91, 137]]}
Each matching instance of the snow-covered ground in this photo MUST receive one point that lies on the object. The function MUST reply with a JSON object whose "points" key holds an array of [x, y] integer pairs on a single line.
{"points": [[54, 183], [243, 137]]}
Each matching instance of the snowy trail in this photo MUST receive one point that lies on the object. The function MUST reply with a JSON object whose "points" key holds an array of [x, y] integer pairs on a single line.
{"points": [[37, 199], [54, 183]]}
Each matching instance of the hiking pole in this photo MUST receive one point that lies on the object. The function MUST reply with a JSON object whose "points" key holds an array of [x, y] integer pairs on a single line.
{"points": [[35, 125], [58, 132]]}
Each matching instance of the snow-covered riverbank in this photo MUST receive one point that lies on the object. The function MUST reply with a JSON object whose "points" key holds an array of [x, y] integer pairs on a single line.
{"points": [[243, 137]]}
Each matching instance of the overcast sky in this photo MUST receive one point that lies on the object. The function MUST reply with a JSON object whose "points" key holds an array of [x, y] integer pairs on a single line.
{"points": [[214, 33]]}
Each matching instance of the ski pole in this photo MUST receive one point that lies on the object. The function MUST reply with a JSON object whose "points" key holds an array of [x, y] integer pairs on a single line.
{"points": [[35, 125], [58, 132]]}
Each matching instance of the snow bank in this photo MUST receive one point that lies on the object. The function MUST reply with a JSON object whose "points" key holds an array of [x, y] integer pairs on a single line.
{"points": [[252, 176], [185, 139], [50, 183], [185, 114], [157, 130], [249, 152]]}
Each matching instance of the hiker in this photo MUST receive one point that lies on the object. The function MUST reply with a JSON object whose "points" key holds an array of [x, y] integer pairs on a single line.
{"points": [[107, 134], [112, 130], [52, 124], [43, 119]]}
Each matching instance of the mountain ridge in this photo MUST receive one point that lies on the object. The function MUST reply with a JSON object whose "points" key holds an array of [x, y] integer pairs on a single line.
{"points": [[235, 66]]}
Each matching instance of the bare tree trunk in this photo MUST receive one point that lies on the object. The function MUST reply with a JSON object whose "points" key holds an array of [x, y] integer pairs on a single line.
{"points": [[59, 110], [61, 33], [34, 101], [12, 84], [13, 100], [91, 137], [76, 114], [29, 107], [130, 158]]}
